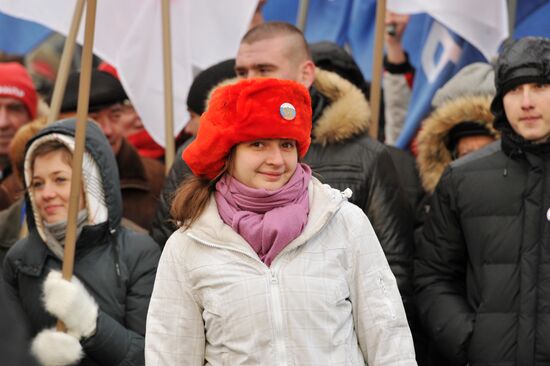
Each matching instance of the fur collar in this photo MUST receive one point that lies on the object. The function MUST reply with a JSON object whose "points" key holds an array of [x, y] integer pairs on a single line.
{"points": [[348, 113], [433, 155]]}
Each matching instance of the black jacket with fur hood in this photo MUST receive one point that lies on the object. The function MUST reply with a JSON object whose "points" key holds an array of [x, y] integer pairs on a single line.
{"points": [[117, 266], [344, 156]]}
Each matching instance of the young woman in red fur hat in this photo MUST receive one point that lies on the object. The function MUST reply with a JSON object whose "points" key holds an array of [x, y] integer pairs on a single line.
{"points": [[269, 266]]}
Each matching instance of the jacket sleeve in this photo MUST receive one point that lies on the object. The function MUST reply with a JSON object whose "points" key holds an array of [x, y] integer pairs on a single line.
{"points": [[14, 343], [162, 227], [9, 286], [397, 95], [397, 89], [175, 329], [378, 313], [388, 210], [117, 344], [440, 276]]}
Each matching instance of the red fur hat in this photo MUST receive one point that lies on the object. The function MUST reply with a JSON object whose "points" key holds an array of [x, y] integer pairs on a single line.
{"points": [[249, 110]]}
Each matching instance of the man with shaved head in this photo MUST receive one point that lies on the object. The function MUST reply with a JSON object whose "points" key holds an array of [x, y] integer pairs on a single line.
{"points": [[275, 50], [341, 154]]}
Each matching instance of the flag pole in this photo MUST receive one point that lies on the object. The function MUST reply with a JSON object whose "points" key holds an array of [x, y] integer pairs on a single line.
{"points": [[375, 88], [80, 137], [169, 147], [512, 9], [302, 15], [65, 63]]}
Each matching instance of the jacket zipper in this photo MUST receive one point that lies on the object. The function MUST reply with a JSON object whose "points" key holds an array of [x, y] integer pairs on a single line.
{"points": [[277, 309], [280, 349]]}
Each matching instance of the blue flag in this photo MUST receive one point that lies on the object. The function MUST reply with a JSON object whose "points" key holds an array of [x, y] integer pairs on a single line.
{"points": [[532, 18], [360, 34], [19, 36], [328, 21], [436, 52], [344, 22], [281, 11], [441, 55]]}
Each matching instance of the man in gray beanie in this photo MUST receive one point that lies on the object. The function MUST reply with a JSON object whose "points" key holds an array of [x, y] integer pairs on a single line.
{"points": [[482, 273]]}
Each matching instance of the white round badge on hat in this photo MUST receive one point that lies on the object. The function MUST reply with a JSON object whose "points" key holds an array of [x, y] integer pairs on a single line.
{"points": [[287, 111]]}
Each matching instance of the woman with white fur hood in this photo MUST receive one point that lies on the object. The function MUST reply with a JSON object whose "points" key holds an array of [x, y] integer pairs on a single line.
{"points": [[104, 307]]}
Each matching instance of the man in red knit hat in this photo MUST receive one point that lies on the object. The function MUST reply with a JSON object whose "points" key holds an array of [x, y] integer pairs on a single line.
{"points": [[18, 105]]}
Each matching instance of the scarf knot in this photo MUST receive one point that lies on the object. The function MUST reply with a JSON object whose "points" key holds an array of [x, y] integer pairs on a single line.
{"points": [[267, 220]]}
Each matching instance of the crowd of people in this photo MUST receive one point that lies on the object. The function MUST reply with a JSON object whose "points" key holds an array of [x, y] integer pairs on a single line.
{"points": [[283, 234]]}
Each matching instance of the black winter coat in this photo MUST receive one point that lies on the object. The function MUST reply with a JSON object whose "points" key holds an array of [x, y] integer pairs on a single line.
{"points": [[117, 267], [483, 266]]}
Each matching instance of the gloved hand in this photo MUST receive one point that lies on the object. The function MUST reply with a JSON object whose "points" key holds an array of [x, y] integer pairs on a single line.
{"points": [[53, 348], [70, 303]]}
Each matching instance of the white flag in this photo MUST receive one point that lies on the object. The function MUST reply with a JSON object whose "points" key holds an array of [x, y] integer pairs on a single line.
{"points": [[483, 23], [128, 34]]}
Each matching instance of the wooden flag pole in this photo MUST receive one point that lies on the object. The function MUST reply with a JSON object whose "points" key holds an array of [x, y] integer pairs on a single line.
{"points": [[375, 88], [169, 148], [80, 138], [302, 15], [65, 63]]}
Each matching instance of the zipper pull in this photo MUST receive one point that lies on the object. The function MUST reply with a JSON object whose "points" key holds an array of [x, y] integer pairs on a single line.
{"points": [[273, 277]]}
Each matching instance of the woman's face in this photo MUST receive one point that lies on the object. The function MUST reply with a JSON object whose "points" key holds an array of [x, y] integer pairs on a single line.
{"points": [[51, 186], [268, 163]]}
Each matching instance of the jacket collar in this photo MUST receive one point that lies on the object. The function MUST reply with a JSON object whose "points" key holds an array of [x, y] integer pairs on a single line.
{"points": [[345, 112], [211, 230], [515, 145], [32, 259]]}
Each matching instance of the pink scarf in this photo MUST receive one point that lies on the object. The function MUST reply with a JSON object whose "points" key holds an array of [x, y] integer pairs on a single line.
{"points": [[267, 220]]}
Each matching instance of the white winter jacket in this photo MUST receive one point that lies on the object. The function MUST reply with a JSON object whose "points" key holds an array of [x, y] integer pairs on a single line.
{"points": [[329, 297]]}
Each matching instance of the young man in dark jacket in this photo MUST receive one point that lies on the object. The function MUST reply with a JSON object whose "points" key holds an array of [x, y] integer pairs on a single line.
{"points": [[483, 273], [341, 154]]}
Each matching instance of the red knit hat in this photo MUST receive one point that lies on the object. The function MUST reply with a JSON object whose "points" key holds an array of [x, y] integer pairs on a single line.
{"points": [[15, 82], [249, 110]]}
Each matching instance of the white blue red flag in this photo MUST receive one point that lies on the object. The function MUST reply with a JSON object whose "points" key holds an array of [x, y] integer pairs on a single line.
{"points": [[129, 36]]}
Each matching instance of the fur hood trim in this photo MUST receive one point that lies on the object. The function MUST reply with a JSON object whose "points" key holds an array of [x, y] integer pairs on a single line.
{"points": [[348, 113], [433, 155]]}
